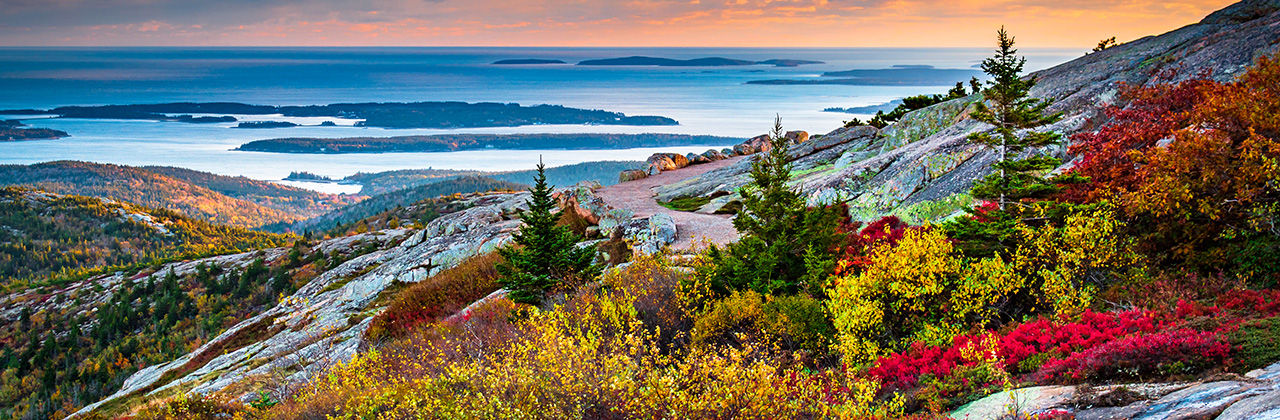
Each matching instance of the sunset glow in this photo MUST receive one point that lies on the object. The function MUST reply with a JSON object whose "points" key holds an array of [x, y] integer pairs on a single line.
{"points": [[744, 23]]}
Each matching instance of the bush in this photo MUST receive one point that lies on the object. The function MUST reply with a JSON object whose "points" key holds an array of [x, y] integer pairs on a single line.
{"points": [[732, 321], [1256, 343], [1166, 353], [800, 321], [436, 297]]}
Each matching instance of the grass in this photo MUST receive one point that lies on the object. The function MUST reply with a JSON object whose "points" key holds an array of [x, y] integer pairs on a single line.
{"points": [[686, 203]]}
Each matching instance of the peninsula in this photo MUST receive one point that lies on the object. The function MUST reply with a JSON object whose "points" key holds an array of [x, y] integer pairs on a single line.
{"points": [[457, 142]]}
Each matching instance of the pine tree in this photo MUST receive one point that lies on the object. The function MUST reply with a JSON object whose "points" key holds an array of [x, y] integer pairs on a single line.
{"points": [[786, 247], [1017, 181], [544, 255], [1014, 114]]}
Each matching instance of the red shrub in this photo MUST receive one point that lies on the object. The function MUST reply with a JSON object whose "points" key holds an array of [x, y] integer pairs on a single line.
{"points": [[437, 297], [903, 370], [1163, 353]]}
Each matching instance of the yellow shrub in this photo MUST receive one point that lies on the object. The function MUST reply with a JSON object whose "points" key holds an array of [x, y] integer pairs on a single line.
{"points": [[922, 289], [593, 357]]}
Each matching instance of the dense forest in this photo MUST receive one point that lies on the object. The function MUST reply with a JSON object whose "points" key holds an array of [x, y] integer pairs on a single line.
{"points": [[381, 114], [456, 142], [61, 355], [604, 172], [397, 198], [43, 234], [235, 201]]}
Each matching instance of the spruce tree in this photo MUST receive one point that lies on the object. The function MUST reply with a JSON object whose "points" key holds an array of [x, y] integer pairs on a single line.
{"points": [[543, 255], [1008, 106], [1017, 181], [786, 247]]}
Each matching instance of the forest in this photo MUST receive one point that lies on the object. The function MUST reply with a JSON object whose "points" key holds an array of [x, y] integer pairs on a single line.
{"points": [[456, 142]]}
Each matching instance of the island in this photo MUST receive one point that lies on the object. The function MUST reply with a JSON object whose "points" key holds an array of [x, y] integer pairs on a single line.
{"points": [[696, 62], [869, 109], [307, 177], [516, 61], [457, 142], [266, 124], [895, 76], [12, 130], [373, 114]]}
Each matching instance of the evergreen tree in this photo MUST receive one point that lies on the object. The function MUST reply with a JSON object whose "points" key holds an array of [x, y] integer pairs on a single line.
{"points": [[544, 255], [786, 247], [1014, 114]]}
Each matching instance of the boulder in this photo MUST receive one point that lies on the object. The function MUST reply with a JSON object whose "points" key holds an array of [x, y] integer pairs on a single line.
{"points": [[714, 155], [728, 151], [743, 149], [632, 175], [696, 159], [1263, 406], [797, 136], [661, 162], [1199, 402], [1032, 400]]}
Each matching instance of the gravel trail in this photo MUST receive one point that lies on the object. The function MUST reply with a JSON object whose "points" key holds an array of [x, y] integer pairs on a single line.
{"points": [[691, 228]]}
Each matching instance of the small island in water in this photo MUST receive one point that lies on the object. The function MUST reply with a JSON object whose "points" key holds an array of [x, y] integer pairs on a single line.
{"points": [[12, 130], [266, 124], [516, 61], [899, 75], [696, 62], [457, 142]]}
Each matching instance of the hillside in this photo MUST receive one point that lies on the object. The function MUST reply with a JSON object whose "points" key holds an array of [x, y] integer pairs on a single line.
{"points": [[42, 234], [400, 198], [234, 201], [1150, 290], [922, 166], [604, 172]]}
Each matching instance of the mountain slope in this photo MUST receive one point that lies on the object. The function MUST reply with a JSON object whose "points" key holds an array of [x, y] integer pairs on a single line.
{"points": [[43, 234], [923, 166], [245, 203]]}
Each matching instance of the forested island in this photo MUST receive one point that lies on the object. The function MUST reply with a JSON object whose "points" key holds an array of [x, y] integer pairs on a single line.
{"points": [[456, 142], [900, 75], [12, 130], [696, 62], [374, 114], [516, 61], [266, 124]]}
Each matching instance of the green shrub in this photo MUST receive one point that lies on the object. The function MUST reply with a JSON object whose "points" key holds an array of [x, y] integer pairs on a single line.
{"points": [[686, 203], [800, 321], [1257, 343]]}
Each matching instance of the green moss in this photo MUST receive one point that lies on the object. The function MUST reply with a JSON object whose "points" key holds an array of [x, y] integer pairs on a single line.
{"points": [[686, 203]]}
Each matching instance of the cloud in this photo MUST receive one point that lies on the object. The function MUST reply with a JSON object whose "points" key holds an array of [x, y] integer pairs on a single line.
{"points": [[587, 22]]}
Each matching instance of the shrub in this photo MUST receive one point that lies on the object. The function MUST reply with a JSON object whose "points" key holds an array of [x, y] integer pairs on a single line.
{"points": [[1165, 353], [436, 297], [731, 321], [592, 357], [1256, 344], [800, 321]]}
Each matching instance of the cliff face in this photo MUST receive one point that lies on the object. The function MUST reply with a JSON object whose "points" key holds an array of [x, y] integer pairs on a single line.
{"points": [[922, 166]]}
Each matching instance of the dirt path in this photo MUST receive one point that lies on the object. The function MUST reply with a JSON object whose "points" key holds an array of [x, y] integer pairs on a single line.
{"points": [[637, 196]]}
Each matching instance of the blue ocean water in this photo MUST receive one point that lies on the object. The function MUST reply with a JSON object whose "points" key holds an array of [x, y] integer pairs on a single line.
{"points": [[706, 100]]}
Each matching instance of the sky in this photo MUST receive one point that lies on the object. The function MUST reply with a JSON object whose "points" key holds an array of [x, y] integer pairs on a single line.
{"points": [[674, 23]]}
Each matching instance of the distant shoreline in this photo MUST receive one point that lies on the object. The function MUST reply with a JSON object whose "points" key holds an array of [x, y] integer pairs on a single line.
{"points": [[464, 142]]}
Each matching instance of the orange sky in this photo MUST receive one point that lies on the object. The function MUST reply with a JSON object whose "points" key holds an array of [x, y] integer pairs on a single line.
{"points": [[746, 23]]}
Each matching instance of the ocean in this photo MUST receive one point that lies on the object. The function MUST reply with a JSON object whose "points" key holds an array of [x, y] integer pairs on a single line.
{"points": [[705, 100]]}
